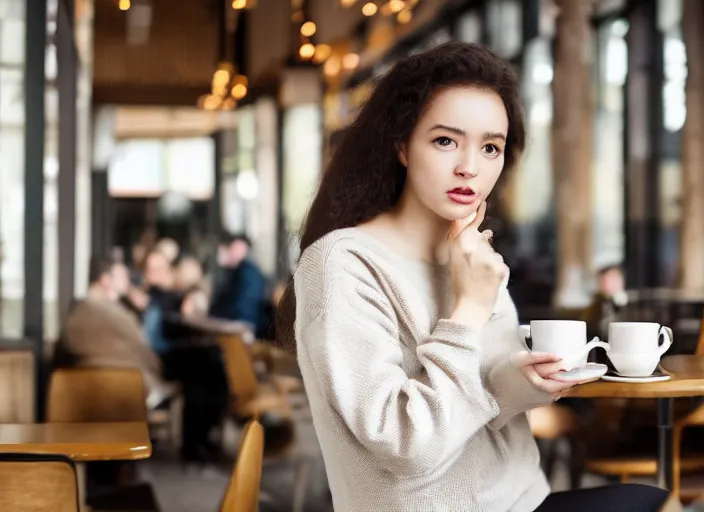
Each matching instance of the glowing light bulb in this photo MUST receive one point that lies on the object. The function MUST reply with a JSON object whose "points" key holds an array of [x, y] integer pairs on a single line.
{"points": [[307, 51], [308, 28], [369, 9]]}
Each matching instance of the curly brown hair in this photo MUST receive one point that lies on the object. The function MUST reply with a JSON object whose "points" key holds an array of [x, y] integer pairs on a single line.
{"points": [[364, 177]]}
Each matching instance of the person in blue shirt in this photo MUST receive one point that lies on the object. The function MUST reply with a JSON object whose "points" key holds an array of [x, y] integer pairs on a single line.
{"points": [[240, 293]]}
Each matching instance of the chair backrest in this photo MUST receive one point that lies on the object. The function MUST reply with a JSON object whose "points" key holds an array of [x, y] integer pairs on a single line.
{"points": [[96, 395], [38, 483], [242, 494], [239, 368]]}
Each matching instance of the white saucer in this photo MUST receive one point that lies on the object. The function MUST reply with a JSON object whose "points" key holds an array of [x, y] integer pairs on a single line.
{"points": [[587, 372], [656, 377]]}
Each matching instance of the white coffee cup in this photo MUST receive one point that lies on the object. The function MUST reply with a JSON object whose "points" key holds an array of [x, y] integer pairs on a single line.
{"points": [[635, 347], [564, 338]]}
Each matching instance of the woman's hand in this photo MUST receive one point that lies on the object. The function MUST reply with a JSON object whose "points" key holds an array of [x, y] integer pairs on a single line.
{"points": [[476, 270], [539, 367]]}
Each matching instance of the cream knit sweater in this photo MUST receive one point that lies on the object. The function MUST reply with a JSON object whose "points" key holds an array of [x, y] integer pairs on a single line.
{"points": [[413, 412]]}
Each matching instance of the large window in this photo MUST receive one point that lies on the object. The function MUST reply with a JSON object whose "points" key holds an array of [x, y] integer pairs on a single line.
{"points": [[674, 114], [12, 51], [301, 165], [608, 160]]}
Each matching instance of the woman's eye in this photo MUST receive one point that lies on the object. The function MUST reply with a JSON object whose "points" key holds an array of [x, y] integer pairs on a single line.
{"points": [[445, 143], [492, 150]]}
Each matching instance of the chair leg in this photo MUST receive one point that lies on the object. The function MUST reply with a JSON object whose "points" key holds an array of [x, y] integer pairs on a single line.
{"points": [[577, 459], [300, 484], [548, 454]]}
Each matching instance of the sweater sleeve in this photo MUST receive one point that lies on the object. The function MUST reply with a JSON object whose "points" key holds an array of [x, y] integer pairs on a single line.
{"points": [[512, 391], [350, 349]]}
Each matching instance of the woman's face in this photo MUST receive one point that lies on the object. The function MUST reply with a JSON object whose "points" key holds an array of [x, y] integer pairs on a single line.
{"points": [[455, 154]]}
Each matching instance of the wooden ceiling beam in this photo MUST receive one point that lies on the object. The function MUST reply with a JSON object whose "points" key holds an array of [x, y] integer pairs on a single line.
{"points": [[167, 95]]}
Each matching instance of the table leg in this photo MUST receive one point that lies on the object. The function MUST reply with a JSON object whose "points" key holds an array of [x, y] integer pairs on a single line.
{"points": [[665, 421]]}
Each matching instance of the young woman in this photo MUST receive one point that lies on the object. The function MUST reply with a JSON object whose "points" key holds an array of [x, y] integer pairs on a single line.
{"points": [[406, 336]]}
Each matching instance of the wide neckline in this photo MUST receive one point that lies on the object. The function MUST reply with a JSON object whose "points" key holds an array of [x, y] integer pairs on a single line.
{"points": [[393, 254]]}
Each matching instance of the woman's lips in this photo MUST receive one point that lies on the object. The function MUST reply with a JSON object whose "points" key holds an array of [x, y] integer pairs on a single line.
{"points": [[462, 196]]}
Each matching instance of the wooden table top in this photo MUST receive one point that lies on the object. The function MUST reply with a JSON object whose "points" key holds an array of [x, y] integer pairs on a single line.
{"points": [[79, 441], [687, 380]]}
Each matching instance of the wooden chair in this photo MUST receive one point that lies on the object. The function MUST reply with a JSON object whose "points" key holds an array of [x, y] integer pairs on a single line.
{"points": [[38, 483], [242, 494], [96, 395], [626, 467], [265, 401], [250, 398], [551, 423], [85, 395]]}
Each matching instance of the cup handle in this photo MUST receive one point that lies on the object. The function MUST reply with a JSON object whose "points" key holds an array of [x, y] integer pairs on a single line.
{"points": [[596, 342], [666, 333], [524, 333]]}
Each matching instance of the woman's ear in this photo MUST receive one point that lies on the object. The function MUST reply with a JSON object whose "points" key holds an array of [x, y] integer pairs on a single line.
{"points": [[401, 150]]}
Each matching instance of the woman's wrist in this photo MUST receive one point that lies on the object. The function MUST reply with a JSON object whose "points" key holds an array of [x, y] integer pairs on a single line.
{"points": [[470, 313]]}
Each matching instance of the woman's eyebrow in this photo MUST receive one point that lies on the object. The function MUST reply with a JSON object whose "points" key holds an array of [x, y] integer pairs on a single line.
{"points": [[494, 135], [452, 129]]}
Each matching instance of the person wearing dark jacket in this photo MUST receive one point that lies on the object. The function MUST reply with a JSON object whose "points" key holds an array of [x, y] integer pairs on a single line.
{"points": [[241, 290]]}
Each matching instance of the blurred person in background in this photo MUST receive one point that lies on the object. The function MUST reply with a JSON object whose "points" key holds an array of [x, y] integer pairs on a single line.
{"points": [[609, 297], [187, 354], [101, 332], [240, 290], [188, 273], [169, 248], [158, 282]]}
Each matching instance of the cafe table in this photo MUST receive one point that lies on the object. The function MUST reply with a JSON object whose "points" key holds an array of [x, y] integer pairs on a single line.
{"points": [[687, 380], [81, 442]]}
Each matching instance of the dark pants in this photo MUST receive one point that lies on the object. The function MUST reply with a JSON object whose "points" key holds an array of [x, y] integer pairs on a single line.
{"points": [[613, 498], [201, 372]]}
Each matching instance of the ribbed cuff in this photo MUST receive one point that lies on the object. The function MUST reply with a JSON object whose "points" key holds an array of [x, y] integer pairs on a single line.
{"points": [[514, 393]]}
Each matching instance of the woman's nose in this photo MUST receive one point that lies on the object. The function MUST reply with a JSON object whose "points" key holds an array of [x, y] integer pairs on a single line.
{"points": [[468, 166]]}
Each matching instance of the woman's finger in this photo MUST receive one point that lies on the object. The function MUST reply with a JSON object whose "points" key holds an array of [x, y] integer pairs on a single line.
{"points": [[546, 370], [473, 220], [479, 217], [458, 225], [525, 358]]}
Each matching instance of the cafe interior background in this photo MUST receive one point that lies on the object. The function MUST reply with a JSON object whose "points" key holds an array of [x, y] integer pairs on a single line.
{"points": [[127, 122]]}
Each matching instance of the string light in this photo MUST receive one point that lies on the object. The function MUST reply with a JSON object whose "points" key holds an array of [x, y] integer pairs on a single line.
{"points": [[350, 61], [396, 6], [369, 9], [306, 51], [308, 29], [124, 5], [322, 52], [347, 3], [332, 66], [239, 4], [405, 16]]}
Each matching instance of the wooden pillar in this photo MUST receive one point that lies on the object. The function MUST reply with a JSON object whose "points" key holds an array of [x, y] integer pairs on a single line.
{"points": [[571, 149], [691, 272]]}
